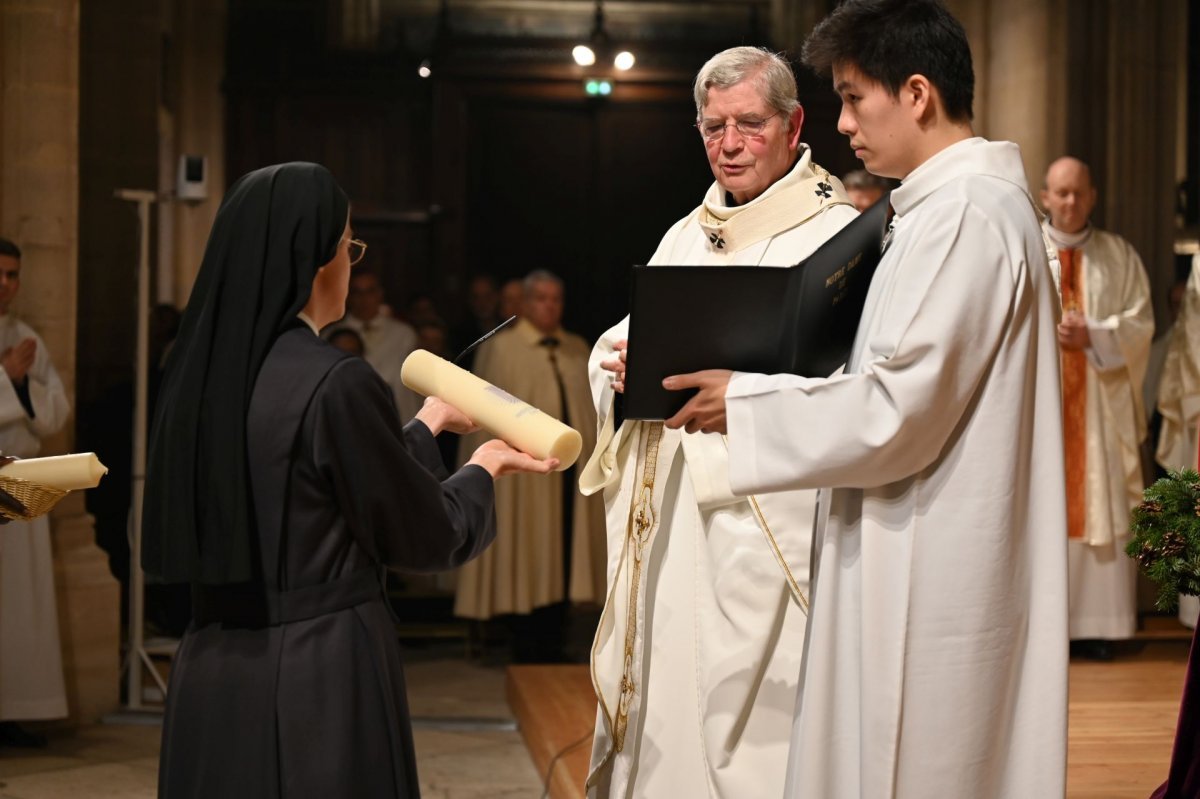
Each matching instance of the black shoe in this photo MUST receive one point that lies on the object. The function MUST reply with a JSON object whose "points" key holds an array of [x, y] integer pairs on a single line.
{"points": [[1093, 649], [13, 734]]}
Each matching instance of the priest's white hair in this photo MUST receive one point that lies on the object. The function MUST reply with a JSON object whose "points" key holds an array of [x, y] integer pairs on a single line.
{"points": [[771, 73]]}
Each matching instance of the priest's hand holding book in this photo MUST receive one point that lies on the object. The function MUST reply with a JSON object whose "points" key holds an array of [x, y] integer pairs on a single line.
{"points": [[703, 413], [616, 365], [495, 456]]}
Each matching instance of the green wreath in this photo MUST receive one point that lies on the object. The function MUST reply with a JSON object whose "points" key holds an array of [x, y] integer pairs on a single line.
{"points": [[1166, 536]]}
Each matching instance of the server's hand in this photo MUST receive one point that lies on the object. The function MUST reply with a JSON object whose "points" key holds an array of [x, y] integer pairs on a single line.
{"points": [[705, 412]]}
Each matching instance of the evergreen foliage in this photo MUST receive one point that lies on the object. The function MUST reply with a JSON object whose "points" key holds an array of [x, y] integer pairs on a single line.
{"points": [[1166, 536]]}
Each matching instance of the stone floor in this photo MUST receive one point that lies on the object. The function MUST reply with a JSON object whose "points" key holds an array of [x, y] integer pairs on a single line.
{"points": [[466, 739]]}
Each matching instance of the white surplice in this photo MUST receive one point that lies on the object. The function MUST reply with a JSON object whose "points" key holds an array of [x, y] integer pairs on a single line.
{"points": [[31, 674], [710, 664], [936, 658], [1120, 320], [387, 341], [1179, 402]]}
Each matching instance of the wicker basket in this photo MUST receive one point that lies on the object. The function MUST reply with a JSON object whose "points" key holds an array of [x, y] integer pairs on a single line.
{"points": [[38, 499]]}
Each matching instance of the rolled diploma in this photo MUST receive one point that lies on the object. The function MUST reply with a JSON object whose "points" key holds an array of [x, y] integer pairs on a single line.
{"points": [[495, 410], [66, 472]]}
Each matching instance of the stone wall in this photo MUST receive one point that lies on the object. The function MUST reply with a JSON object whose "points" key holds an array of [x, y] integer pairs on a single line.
{"points": [[39, 201]]}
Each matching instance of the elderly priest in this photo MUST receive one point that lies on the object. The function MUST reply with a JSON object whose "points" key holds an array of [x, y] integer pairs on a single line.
{"points": [[698, 650]]}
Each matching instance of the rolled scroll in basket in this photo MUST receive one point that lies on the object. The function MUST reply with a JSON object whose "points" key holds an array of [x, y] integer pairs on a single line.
{"points": [[39, 483]]}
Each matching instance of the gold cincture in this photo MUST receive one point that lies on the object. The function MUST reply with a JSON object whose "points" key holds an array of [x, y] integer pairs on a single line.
{"points": [[642, 521]]}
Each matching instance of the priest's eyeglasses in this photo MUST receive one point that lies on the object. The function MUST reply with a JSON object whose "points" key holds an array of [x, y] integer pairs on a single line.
{"points": [[358, 249], [714, 130]]}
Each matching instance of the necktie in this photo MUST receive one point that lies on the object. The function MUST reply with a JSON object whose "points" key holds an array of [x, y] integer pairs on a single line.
{"points": [[568, 484], [551, 344]]}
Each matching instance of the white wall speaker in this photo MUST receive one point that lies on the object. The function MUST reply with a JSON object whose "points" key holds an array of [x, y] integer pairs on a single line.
{"points": [[191, 183]]}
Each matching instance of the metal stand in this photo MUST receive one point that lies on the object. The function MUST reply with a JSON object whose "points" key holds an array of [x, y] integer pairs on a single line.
{"points": [[139, 650]]}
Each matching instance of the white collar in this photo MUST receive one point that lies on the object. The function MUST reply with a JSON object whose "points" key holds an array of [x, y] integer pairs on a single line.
{"points": [[974, 156], [714, 200], [1067, 241], [303, 317]]}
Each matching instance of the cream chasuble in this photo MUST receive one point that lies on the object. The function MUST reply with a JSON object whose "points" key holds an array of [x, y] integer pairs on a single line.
{"points": [[697, 651], [1104, 424], [31, 675], [1179, 402], [523, 569], [935, 662], [1179, 391]]}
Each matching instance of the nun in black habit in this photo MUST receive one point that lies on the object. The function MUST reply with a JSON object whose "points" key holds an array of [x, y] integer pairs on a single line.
{"points": [[280, 482]]}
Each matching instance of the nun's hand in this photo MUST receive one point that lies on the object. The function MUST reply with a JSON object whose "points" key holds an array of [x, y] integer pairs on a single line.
{"points": [[440, 416], [500, 459]]}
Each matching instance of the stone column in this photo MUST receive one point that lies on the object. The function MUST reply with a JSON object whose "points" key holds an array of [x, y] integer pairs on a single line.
{"points": [[1096, 79], [39, 191], [1020, 80]]}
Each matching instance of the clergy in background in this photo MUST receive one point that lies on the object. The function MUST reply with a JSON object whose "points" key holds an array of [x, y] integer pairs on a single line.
{"points": [[549, 549], [387, 340], [1179, 402], [482, 314], [32, 405], [1105, 335], [863, 188], [698, 651], [936, 660]]}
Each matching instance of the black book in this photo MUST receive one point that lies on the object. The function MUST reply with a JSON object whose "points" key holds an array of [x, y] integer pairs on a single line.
{"points": [[800, 319]]}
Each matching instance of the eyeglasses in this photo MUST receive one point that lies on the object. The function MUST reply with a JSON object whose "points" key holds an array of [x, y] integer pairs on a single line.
{"points": [[713, 130], [357, 250]]}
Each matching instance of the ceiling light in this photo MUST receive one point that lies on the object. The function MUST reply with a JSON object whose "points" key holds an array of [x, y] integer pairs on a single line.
{"points": [[598, 46], [583, 55]]}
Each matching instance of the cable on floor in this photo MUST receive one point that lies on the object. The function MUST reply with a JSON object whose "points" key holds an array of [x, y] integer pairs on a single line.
{"points": [[554, 760]]}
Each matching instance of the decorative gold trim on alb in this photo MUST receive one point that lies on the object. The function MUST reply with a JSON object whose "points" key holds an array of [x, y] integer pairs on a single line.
{"points": [[791, 578], [642, 521]]}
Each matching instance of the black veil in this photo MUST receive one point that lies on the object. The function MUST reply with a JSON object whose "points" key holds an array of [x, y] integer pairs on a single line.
{"points": [[275, 228]]}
